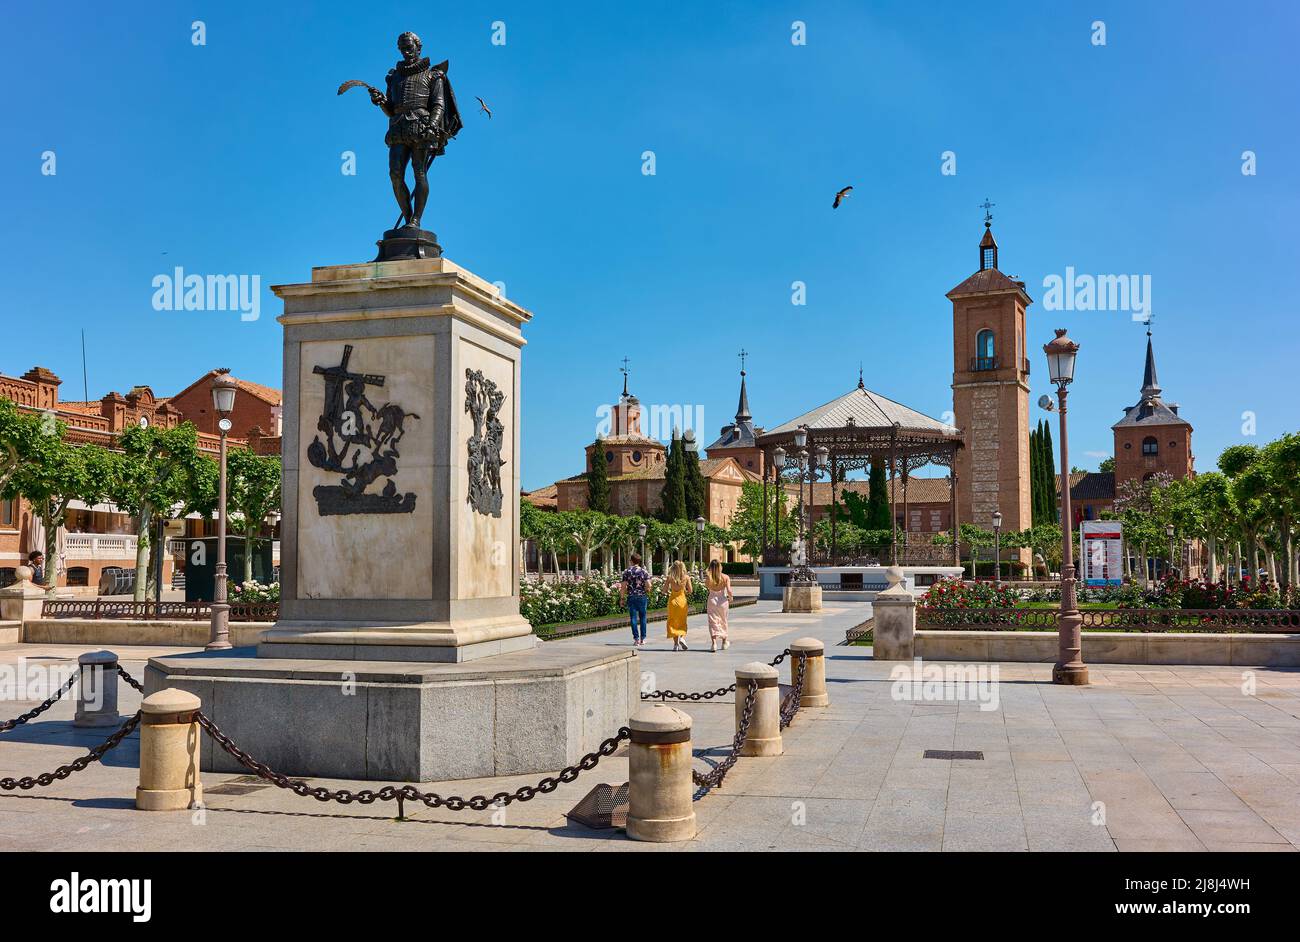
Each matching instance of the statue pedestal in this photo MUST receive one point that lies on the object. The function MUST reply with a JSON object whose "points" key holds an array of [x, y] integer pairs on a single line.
{"points": [[400, 652], [414, 368]]}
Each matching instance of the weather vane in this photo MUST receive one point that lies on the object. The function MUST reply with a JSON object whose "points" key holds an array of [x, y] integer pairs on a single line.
{"points": [[743, 355], [988, 216]]}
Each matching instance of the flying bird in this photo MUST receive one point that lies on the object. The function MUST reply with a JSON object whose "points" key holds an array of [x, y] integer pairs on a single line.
{"points": [[839, 197], [483, 107]]}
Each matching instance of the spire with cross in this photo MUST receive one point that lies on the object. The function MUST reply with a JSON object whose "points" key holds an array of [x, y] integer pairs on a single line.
{"points": [[988, 216], [624, 370]]}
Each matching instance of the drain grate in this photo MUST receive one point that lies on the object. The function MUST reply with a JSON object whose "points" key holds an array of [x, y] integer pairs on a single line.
{"points": [[953, 754], [605, 806]]}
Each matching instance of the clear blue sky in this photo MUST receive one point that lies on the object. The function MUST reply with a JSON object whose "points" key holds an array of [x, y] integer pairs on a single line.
{"points": [[1122, 159]]}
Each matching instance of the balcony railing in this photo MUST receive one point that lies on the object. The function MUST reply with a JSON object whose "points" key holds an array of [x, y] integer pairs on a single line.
{"points": [[981, 364], [100, 546]]}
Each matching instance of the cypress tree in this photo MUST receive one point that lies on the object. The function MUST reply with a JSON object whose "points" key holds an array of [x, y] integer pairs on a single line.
{"points": [[877, 498], [598, 480], [673, 496], [695, 488], [1053, 491]]}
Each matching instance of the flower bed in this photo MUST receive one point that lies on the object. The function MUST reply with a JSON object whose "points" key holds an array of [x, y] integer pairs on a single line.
{"points": [[550, 603], [254, 591]]}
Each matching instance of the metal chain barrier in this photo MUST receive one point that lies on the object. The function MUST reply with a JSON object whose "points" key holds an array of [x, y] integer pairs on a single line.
{"points": [[792, 700], [403, 793], [76, 765], [705, 694], [38, 710], [121, 672], [713, 778]]}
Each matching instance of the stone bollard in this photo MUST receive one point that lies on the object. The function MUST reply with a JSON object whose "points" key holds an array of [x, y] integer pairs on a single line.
{"points": [[659, 775], [814, 673], [764, 735], [169, 752], [97, 690], [893, 629]]}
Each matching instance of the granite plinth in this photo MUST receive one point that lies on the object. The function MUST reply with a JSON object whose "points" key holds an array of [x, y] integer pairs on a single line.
{"points": [[525, 712]]}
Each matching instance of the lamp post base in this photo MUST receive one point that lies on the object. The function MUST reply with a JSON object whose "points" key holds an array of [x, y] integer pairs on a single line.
{"points": [[220, 633], [1069, 674]]}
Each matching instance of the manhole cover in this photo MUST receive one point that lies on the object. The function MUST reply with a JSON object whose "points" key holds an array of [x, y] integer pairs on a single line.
{"points": [[605, 806], [953, 754]]}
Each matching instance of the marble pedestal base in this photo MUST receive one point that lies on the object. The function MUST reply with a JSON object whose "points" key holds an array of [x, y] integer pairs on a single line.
{"points": [[430, 642], [526, 712], [802, 599]]}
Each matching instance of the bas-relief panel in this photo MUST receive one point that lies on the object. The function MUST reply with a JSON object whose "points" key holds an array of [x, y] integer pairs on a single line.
{"points": [[485, 556], [365, 486]]}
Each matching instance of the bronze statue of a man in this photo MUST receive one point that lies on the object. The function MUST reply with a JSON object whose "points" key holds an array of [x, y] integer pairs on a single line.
{"points": [[422, 118]]}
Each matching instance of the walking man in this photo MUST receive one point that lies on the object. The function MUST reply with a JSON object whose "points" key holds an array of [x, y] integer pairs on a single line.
{"points": [[635, 589]]}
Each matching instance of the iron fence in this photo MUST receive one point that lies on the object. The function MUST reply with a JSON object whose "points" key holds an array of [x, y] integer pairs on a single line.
{"points": [[1206, 620], [150, 610]]}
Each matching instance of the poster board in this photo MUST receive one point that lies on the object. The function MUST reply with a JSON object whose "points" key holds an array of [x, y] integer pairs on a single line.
{"points": [[1101, 552]]}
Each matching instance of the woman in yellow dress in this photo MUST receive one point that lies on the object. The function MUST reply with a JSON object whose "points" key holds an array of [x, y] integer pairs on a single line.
{"points": [[678, 585]]}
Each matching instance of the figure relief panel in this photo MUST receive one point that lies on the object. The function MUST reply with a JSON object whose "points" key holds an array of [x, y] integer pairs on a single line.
{"points": [[483, 469], [365, 481]]}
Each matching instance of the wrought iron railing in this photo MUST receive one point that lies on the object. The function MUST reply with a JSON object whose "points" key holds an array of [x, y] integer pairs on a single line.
{"points": [[981, 364], [154, 611], [1225, 620], [911, 555]]}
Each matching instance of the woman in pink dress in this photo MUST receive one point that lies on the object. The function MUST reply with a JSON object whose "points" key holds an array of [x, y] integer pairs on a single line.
{"points": [[719, 586]]}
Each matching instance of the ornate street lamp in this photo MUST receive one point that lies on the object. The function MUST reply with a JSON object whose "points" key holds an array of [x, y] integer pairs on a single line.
{"points": [[809, 468], [223, 401], [997, 547], [1169, 532], [641, 531], [699, 539], [1069, 668]]}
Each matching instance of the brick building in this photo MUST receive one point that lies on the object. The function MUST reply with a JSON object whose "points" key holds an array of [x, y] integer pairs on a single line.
{"points": [[100, 536], [990, 393], [636, 466]]}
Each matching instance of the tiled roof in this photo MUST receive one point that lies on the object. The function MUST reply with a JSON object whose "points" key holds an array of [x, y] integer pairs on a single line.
{"points": [[863, 408], [988, 281], [709, 467], [265, 393], [1090, 485], [546, 497]]}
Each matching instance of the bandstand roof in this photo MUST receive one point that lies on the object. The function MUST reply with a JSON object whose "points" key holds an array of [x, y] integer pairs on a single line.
{"points": [[862, 409]]}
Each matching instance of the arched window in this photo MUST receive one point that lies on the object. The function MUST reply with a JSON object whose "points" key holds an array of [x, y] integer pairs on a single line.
{"points": [[984, 358], [1150, 446]]}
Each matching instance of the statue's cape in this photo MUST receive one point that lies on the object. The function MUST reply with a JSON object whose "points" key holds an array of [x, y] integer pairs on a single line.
{"points": [[451, 123]]}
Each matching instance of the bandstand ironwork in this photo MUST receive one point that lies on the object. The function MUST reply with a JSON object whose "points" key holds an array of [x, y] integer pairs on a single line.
{"points": [[902, 447]]}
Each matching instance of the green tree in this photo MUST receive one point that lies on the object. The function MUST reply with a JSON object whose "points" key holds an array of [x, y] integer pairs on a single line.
{"points": [[695, 489], [49, 475], [253, 493], [672, 500], [598, 479], [156, 473], [746, 524], [877, 498], [1107, 465]]}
